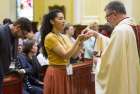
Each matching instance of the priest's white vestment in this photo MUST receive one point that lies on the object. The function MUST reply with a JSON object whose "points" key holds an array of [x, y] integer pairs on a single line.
{"points": [[119, 72]]}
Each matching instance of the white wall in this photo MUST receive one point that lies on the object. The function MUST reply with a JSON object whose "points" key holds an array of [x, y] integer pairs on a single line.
{"points": [[7, 9], [89, 11]]}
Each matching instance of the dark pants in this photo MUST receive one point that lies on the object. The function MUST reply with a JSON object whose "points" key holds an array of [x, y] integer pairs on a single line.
{"points": [[34, 90], [37, 90], [1, 78], [25, 91]]}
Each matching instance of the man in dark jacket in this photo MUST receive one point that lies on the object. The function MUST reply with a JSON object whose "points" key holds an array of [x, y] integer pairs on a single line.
{"points": [[9, 35]]}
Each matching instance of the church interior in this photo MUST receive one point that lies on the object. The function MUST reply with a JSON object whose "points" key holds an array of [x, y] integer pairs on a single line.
{"points": [[80, 14]]}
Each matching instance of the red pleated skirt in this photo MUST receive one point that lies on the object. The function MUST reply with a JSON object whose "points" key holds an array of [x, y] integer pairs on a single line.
{"points": [[56, 81]]}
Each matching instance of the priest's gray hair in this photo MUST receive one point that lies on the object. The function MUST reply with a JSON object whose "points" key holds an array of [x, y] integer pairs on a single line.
{"points": [[116, 6]]}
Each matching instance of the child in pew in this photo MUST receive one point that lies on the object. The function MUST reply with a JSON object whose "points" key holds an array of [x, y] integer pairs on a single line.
{"points": [[29, 66]]}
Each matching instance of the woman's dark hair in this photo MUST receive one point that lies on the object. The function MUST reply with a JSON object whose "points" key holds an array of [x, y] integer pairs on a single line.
{"points": [[46, 26], [28, 45]]}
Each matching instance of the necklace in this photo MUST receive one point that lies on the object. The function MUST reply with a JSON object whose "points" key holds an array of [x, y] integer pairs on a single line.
{"points": [[60, 38]]}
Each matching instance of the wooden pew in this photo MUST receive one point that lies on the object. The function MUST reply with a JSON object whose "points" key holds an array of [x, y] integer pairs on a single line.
{"points": [[82, 80], [13, 84]]}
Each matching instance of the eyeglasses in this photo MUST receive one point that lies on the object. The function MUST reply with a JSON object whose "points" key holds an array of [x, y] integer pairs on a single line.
{"points": [[109, 14]]}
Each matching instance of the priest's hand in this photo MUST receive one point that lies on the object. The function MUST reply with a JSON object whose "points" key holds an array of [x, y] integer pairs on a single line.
{"points": [[92, 33]]}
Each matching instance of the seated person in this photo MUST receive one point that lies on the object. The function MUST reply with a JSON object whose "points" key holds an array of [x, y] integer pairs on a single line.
{"points": [[29, 66]]}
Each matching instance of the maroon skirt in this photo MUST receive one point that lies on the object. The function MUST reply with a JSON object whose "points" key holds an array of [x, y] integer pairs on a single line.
{"points": [[56, 81]]}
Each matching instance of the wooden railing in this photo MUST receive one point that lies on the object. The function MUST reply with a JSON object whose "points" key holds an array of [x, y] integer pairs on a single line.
{"points": [[82, 80]]}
